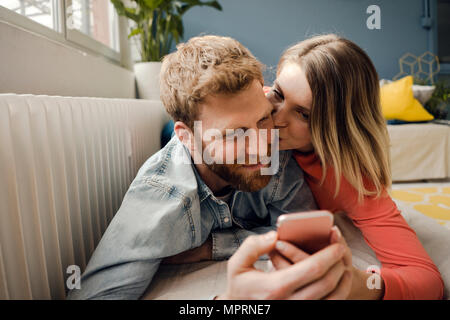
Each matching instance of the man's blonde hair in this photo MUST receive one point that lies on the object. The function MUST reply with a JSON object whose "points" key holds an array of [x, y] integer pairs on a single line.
{"points": [[203, 66]]}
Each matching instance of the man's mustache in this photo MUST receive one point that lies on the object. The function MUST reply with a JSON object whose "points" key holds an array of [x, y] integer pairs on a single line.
{"points": [[250, 159]]}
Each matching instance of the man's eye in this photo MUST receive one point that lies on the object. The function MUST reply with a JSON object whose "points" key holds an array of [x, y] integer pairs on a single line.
{"points": [[230, 136], [235, 134]]}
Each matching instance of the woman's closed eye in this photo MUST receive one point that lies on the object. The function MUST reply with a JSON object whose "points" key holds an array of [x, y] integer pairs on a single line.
{"points": [[277, 94], [274, 95], [303, 115]]}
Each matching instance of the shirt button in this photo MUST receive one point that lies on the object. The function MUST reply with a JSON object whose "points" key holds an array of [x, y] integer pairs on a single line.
{"points": [[226, 220]]}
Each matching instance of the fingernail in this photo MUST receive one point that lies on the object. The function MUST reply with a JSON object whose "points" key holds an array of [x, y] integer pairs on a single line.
{"points": [[338, 232], [280, 246], [270, 235]]}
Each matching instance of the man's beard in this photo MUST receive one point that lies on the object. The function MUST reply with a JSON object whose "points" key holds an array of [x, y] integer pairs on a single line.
{"points": [[239, 179], [238, 176]]}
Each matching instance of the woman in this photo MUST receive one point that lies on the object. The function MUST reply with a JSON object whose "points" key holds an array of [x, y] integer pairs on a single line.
{"points": [[327, 108]]}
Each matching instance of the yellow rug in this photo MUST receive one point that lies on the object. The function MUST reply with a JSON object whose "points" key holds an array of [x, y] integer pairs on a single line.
{"points": [[431, 199]]}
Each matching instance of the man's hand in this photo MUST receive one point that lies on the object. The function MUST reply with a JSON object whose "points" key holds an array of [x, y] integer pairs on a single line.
{"points": [[352, 286], [295, 281], [339, 279], [204, 252]]}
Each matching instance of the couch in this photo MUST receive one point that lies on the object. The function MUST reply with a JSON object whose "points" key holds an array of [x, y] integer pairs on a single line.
{"points": [[420, 151]]}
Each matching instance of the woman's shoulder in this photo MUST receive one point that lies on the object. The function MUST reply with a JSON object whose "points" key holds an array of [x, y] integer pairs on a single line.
{"points": [[309, 162], [347, 196]]}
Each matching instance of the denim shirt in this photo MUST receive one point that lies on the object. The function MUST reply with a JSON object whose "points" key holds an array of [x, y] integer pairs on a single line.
{"points": [[168, 209]]}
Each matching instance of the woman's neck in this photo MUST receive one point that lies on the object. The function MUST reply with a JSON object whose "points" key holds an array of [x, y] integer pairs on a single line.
{"points": [[305, 150]]}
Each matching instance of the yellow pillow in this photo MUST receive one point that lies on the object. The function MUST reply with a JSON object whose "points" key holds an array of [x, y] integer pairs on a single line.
{"points": [[398, 102]]}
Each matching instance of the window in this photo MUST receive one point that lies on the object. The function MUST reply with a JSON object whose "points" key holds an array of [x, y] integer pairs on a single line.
{"points": [[44, 12], [96, 19], [87, 24]]}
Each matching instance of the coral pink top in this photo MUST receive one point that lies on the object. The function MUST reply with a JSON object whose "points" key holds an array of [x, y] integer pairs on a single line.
{"points": [[407, 270]]}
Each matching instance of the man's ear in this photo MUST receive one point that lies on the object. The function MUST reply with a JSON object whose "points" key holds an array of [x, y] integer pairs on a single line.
{"points": [[184, 134]]}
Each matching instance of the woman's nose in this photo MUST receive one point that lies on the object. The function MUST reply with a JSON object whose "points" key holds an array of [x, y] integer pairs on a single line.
{"points": [[279, 120]]}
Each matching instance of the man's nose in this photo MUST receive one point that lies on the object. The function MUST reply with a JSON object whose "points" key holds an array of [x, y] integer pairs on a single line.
{"points": [[254, 144]]}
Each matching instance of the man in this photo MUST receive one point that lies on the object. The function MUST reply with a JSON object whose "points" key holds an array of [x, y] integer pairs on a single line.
{"points": [[178, 204]]}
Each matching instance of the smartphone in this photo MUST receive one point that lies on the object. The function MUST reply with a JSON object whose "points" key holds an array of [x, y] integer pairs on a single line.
{"points": [[310, 231]]}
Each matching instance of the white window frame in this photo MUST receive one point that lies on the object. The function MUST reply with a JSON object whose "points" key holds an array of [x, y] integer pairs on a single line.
{"points": [[86, 41], [62, 34]]}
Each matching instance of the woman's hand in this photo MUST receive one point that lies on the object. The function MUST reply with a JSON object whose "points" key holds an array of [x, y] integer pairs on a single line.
{"points": [[359, 288], [294, 281]]}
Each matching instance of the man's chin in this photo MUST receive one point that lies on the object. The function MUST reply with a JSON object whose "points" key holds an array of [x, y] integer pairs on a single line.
{"points": [[250, 179], [256, 184]]}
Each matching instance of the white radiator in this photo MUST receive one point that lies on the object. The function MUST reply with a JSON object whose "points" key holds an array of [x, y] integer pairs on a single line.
{"points": [[65, 165]]}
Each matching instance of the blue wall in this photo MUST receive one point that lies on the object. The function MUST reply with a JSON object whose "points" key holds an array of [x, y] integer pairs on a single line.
{"points": [[267, 27]]}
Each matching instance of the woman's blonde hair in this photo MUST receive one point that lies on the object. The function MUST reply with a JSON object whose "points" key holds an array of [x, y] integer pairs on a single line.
{"points": [[347, 128]]}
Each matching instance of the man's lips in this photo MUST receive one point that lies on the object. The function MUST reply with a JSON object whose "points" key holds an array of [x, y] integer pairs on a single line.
{"points": [[255, 166]]}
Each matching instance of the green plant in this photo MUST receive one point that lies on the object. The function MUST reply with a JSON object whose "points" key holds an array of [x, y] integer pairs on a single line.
{"points": [[157, 23], [439, 103]]}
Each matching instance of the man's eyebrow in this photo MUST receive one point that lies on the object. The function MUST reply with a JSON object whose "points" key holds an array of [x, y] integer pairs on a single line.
{"points": [[240, 127], [233, 130]]}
